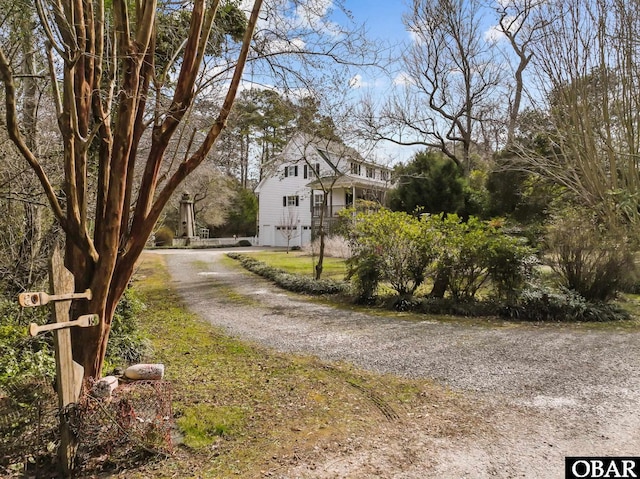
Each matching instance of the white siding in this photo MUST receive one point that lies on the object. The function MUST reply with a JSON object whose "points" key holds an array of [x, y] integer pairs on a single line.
{"points": [[272, 212], [272, 215]]}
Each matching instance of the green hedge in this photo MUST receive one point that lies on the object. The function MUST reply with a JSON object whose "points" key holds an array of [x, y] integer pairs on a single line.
{"points": [[289, 281], [532, 304], [540, 304], [536, 305]]}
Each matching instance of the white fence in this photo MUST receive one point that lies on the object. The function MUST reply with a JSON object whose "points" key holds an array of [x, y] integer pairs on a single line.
{"points": [[204, 242]]}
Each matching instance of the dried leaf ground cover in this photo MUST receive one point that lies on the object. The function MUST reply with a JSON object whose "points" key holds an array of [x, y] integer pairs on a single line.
{"points": [[244, 411]]}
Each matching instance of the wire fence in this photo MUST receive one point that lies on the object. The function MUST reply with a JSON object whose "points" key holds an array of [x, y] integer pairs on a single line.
{"points": [[28, 428], [130, 427]]}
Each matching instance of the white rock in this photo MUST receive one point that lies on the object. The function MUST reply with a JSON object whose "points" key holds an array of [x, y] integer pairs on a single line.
{"points": [[145, 371]]}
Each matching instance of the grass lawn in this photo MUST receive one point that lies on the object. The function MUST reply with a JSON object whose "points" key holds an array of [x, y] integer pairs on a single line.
{"points": [[245, 411], [301, 263]]}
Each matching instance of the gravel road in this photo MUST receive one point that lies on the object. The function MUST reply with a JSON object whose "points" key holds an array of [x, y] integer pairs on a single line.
{"points": [[552, 390]]}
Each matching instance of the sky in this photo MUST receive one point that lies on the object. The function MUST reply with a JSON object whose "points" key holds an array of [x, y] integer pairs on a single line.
{"points": [[383, 20]]}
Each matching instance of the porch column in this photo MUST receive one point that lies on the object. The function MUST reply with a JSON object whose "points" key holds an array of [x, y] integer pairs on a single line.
{"points": [[330, 203]]}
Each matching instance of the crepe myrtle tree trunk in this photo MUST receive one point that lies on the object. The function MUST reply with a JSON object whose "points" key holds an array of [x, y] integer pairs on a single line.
{"points": [[107, 57]]}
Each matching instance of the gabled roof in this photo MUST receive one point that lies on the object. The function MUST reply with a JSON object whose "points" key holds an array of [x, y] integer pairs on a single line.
{"points": [[335, 154], [346, 181], [325, 156]]}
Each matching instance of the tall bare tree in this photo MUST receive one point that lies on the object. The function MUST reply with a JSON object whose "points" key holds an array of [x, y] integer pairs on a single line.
{"points": [[450, 80], [587, 67], [522, 26]]}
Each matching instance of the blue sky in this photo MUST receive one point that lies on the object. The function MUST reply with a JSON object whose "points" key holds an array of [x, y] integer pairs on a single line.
{"points": [[383, 22], [383, 18]]}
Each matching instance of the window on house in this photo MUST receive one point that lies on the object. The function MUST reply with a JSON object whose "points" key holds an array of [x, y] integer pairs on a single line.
{"points": [[355, 168], [291, 200], [311, 171], [384, 175], [290, 171], [371, 172], [318, 199]]}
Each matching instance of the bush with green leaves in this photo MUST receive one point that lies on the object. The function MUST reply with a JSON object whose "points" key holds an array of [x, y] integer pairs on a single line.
{"points": [[589, 258], [543, 304], [23, 356], [401, 245], [364, 273], [464, 256], [535, 303], [512, 265], [461, 256], [474, 252]]}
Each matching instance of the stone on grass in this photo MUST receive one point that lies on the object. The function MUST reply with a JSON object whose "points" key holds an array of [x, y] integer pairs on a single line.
{"points": [[145, 371]]}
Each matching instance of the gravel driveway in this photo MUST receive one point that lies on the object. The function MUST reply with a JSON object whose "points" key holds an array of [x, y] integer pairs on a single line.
{"points": [[552, 390]]}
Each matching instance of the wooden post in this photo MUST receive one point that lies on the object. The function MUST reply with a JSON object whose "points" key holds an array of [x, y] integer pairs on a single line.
{"points": [[68, 373]]}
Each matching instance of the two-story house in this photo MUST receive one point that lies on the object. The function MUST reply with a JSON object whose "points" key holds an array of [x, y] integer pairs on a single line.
{"points": [[310, 181]]}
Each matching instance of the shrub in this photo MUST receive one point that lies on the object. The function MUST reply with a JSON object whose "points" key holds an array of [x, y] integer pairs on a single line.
{"points": [[540, 304], [402, 245], [463, 255], [23, 356], [511, 265], [365, 274], [291, 282], [244, 243], [451, 306], [594, 261], [534, 304], [164, 236], [474, 252]]}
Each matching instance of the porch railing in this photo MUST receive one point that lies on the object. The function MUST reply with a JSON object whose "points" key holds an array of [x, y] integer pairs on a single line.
{"points": [[329, 210]]}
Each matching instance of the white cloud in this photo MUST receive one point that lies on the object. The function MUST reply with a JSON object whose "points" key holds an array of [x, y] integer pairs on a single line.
{"points": [[403, 78], [359, 82], [277, 45], [312, 15], [356, 81], [494, 33], [312, 12]]}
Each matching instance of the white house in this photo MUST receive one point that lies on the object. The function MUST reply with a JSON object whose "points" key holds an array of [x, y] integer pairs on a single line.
{"points": [[291, 197]]}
